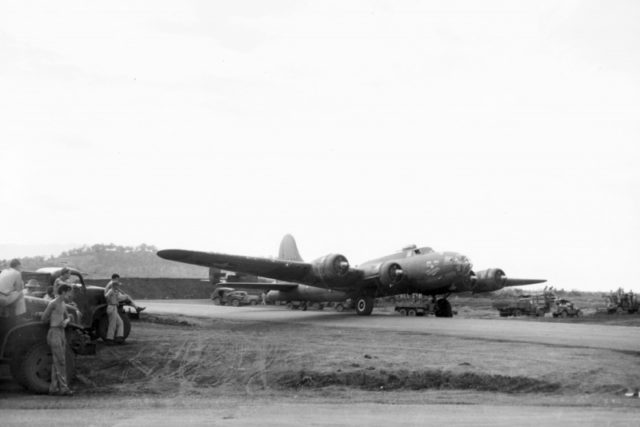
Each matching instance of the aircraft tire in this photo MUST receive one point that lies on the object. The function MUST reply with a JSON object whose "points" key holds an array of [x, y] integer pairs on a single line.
{"points": [[364, 305]]}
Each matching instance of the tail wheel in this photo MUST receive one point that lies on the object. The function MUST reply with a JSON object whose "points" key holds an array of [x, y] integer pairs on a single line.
{"points": [[364, 305], [35, 370]]}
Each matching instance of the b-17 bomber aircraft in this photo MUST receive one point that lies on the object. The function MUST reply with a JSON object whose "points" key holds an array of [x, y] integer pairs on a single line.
{"points": [[412, 270]]}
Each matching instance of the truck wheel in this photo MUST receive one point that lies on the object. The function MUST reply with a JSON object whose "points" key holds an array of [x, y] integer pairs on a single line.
{"points": [[563, 314], [579, 313], [364, 305], [339, 308], [402, 312], [35, 372], [411, 313], [103, 325]]}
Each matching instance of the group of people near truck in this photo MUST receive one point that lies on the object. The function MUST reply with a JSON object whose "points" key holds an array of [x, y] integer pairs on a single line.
{"points": [[56, 316]]}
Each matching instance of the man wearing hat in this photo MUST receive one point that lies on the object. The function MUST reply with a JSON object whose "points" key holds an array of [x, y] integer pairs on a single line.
{"points": [[115, 331], [31, 288]]}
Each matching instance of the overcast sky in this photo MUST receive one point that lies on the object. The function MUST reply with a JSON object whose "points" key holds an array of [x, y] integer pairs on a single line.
{"points": [[508, 131]]}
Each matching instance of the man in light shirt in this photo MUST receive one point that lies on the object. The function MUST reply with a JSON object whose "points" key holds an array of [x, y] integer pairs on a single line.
{"points": [[11, 286], [122, 297]]}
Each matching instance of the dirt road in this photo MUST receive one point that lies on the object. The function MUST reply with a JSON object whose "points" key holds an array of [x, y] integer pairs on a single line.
{"points": [[159, 413], [622, 338]]}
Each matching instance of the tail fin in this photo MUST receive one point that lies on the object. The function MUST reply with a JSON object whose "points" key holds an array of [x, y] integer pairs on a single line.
{"points": [[289, 249]]}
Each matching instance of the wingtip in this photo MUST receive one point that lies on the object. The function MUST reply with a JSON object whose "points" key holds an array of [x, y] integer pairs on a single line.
{"points": [[171, 254]]}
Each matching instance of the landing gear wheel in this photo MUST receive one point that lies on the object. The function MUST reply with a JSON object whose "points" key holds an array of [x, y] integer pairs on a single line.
{"points": [[103, 325], [364, 306], [35, 372], [443, 308]]}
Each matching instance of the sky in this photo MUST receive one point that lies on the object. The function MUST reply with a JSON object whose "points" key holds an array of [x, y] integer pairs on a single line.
{"points": [[507, 131]]}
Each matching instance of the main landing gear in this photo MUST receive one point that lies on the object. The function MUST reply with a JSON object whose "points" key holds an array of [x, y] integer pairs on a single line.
{"points": [[364, 305], [443, 308]]}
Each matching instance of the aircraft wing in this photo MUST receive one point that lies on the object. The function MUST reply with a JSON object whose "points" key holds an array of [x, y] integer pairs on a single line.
{"points": [[262, 286], [287, 271], [522, 282]]}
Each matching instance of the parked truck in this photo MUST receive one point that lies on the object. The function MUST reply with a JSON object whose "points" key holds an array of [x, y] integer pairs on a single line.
{"points": [[231, 296], [565, 308], [90, 301], [526, 305]]}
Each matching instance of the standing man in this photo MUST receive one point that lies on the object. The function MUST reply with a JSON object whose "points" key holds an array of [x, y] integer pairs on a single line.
{"points": [[122, 297], [11, 286], [115, 331], [65, 275], [56, 315]]}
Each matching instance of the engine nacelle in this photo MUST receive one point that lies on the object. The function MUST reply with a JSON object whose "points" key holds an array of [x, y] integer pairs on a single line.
{"points": [[391, 274], [489, 280], [331, 267]]}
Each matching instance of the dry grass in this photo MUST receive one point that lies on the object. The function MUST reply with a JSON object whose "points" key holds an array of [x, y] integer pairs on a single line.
{"points": [[209, 357]]}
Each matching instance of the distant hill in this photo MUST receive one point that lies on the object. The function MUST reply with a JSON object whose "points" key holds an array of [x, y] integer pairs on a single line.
{"points": [[101, 260]]}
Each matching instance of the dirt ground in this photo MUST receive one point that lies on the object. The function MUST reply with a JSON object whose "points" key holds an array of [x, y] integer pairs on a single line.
{"points": [[188, 362]]}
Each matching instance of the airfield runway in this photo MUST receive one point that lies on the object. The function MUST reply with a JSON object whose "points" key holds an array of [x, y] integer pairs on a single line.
{"points": [[622, 338]]}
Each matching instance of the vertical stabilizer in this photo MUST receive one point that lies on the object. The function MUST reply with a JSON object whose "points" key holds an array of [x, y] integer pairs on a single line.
{"points": [[289, 249]]}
